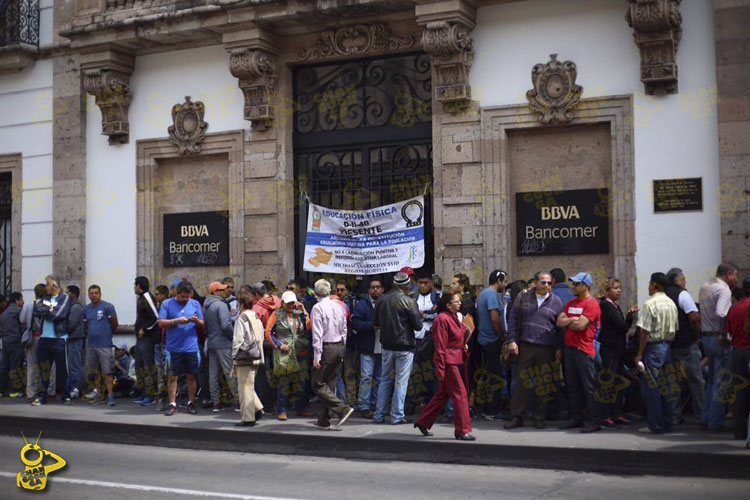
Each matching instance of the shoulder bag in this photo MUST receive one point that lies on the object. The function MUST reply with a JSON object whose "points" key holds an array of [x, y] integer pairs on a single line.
{"points": [[248, 352]]}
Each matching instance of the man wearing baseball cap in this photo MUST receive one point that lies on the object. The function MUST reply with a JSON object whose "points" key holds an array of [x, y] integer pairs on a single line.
{"points": [[580, 317], [219, 335]]}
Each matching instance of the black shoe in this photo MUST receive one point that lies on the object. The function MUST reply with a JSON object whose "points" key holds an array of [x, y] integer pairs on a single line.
{"points": [[589, 428], [515, 423], [191, 408], [539, 424], [171, 410], [243, 423], [422, 429], [571, 424], [206, 404], [163, 405], [465, 437], [258, 415]]}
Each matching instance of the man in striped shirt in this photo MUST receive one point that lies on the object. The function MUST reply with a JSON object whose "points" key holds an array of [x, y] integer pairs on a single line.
{"points": [[657, 320]]}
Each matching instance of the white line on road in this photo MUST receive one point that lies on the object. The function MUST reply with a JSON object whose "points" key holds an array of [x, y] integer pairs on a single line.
{"points": [[157, 489]]}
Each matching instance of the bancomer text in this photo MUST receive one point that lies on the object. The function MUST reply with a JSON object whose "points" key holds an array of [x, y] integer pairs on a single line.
{"points": [[193, 247], [560, 232]]}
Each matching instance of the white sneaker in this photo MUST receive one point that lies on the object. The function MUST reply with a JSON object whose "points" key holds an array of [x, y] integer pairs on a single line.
{"points": [[75, 394], [92, 395]]}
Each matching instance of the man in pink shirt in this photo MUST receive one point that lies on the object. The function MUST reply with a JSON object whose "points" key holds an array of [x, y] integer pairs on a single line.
{"points": [[329, 342]]}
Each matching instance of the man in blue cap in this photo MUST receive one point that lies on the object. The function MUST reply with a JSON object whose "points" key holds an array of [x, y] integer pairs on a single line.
{"points": [[581, 317]]}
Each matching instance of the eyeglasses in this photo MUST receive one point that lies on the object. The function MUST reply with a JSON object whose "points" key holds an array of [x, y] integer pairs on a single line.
{"points": [[454, 302], [290, 288], [545, 282], [373, 287]]}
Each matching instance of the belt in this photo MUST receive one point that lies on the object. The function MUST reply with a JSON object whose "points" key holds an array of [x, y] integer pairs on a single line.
{"points": [[659, 342], [333, 343]]}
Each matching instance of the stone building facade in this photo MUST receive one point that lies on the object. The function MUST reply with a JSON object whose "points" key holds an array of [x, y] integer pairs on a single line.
{"points": [[523, 96]]}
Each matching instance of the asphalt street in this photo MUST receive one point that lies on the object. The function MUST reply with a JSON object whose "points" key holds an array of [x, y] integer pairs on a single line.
{"points": [[98, 470]]}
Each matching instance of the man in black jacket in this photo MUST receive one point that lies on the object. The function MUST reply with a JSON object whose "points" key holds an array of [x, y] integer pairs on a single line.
{"points": [[53, 310], [397, 316], [148, 335], [75, 341], [11, 375]]}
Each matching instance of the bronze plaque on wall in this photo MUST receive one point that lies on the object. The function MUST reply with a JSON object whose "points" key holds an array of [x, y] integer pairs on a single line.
{"points": [[678, 195], [196, 239], [562, 222]]}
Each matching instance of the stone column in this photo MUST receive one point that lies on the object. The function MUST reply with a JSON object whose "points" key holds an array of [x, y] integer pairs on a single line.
{"points": [[461, 243], [269, 229], [69, 171], [731, 21]]}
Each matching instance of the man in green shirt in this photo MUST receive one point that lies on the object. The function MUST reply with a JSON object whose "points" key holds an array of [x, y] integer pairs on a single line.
{"points": [[657, 320]]}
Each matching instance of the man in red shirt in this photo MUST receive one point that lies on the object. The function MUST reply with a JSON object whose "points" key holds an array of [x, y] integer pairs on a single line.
{"points": [[580, 318], [738, 326]]}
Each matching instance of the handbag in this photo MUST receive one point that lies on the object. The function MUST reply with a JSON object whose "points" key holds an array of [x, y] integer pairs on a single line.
{"points": [[248, 352], [427, 347]]}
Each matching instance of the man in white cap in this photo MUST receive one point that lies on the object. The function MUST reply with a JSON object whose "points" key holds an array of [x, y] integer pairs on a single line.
{"points": [[398, 317]]}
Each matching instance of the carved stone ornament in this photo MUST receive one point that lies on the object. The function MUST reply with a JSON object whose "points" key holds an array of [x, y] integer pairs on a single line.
{"points": [[450, 46], [555, 93], [112, 92], [188, 129], [657, 26], [354, 40], [256, 70]]}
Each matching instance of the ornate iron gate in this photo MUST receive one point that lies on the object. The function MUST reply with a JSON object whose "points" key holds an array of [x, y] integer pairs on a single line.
{"points": [[363, 137], [6, 205]]}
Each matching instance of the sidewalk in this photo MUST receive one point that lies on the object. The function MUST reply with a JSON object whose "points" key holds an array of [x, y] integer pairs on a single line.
{"points": [[687, 452]]}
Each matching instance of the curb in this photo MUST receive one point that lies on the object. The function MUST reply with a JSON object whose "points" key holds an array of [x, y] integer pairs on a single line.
{"points": [[623, 462]]}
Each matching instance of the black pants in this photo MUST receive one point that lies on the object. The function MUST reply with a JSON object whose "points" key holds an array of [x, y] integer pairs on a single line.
{"points": [[535, 376], [741, 405], [491, 364], [145, 367], [324, 382], [611, 383], [580, 371], [48, 351], [11, 372]]}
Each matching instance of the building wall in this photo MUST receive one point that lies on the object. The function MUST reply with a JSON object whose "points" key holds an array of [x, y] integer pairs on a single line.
{"points": [[674, 135], [26, 128], [159, 81], [732, 19]]}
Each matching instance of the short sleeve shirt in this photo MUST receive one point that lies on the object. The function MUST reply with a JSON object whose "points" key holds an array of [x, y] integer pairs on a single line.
{"points": [[97, 317], [181, 338], [488, 300], [658, 316], [583, 341]]}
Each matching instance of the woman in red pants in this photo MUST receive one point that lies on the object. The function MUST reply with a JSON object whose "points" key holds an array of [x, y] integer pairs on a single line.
{"points": [[450, 352]]}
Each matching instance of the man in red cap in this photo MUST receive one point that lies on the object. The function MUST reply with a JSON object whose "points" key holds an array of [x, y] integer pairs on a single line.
{"points": [[413, 285]]}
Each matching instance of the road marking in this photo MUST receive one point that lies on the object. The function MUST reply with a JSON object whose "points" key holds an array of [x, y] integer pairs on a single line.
{"points": [[156, 489]]}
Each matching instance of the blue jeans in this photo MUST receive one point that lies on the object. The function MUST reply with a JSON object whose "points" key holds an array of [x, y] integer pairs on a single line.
{"points": [[370, 366], [75, 370], [396, 366], [291, 388], [714, 405], [655, 388]]}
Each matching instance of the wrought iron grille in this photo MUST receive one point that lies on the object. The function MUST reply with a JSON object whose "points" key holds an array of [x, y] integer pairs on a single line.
{"points": [[6, 205], [19, 22], [363, 137]]}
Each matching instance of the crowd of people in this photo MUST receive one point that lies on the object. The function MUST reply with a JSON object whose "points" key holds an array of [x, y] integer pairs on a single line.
{"points": [[525, 352]]}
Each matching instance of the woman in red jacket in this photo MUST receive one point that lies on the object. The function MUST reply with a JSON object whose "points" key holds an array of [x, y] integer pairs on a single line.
{"points": [[450, 353]]}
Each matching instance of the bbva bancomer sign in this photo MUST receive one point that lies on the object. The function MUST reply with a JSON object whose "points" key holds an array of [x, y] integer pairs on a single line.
{"points": [[196, 239], [562, 222]]}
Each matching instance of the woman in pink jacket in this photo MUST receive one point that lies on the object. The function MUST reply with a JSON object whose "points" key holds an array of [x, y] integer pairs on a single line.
{"points": [[451, 352]]}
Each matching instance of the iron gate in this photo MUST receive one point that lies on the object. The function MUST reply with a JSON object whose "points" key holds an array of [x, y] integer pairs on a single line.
{"points": [[6, 205], [363, 137]]}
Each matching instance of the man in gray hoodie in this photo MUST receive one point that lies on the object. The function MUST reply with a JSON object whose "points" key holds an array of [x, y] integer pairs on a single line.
{"points": [[11, 375], [219, 333]]}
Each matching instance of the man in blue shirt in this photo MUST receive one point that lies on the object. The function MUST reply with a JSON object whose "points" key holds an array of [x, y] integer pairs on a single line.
{"points": [[100, 322], [560, 286], [180, 316], [491, 335]]}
